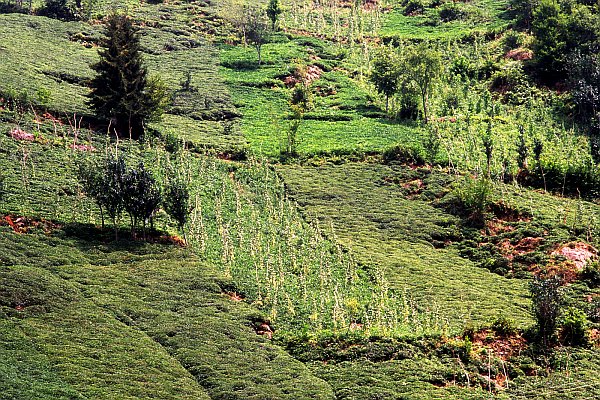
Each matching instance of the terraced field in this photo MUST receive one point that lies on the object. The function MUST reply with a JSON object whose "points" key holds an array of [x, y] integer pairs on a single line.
{"points": [[354, 269]]}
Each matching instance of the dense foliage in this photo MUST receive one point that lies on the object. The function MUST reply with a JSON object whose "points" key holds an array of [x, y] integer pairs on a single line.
{"points": [[121, 90]]}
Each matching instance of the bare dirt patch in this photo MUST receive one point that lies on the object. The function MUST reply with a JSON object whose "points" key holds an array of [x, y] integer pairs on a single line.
{"points": [[25, 224], [502, 346], [519, 54], [524, 246], [578, 253]]}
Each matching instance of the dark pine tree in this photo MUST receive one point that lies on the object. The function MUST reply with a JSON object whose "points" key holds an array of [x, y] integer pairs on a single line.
{"points": [[121, 92]]}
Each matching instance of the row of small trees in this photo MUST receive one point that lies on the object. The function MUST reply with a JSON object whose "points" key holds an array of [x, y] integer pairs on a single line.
{"points": [[115, 188], [412, 73]]}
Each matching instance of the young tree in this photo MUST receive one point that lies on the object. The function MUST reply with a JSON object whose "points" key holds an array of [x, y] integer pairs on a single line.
{"points": [[273, 11], [488, 147], [121, 90], [584, 74], [385, 74], [549, 47], [57, 9], [91, 177], [422, 66], [546, 297], [177, 202], [522, 150], [256, 29], [141, 196]]}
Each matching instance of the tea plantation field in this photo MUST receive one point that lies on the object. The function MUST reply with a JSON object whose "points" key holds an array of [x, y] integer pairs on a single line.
{"points": [[385, 257]]}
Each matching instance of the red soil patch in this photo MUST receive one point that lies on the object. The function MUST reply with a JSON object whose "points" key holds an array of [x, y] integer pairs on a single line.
{"points": [[82, 147], [519, 54], [495, 227], [523, 246], [447, 119], [20, 134], [168, 239], [49, 117], [414, 184], [595, 337], [355, 326], [506, 213], [24, 224], [577, 252], [325, 91], [312, 74], [264, 329], [233, 296], [502, 346]]}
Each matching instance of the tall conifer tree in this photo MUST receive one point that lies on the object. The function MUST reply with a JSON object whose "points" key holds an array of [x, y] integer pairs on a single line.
{"points": [[121, 91]]}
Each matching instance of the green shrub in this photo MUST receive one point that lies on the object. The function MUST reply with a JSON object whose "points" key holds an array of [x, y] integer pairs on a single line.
{"points": [[414, 7], [546, 297], [574, 327], [412, 154], [475, 197], [177, 202], [594, 310], [504, 326], [512, 83], [591, 275], [513, 40], [173, 144], [141, 196], [57, 9], [451, 12]]}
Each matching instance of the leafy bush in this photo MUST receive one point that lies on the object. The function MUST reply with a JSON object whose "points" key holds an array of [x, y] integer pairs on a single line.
{"points": [[103, 181], [513, 40], [141, 196], [451, 12], [115, 188], [414, 7], [475, 197], [512, 83], [57, 9], [177, 202], [546, 297], [412, 154], [594, 310], [574, 327], [173, 144], [504, 326], [408, 109], [591, 275]]}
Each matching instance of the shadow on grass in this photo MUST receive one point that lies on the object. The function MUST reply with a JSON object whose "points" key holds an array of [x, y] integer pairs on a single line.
{"points": [[88, 236]]}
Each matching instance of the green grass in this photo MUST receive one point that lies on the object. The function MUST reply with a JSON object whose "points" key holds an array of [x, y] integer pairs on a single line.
{"points": [[482, 16], [382, 228], [367, 278], [52, 59], [94, 353], [346, 121]]}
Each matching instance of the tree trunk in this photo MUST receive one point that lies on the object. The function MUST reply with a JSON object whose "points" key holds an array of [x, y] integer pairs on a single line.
{"points": [[424, 97], [102, 216]]}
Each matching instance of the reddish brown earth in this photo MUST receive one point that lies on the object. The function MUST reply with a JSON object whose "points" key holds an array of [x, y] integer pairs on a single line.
{"points": [[25, 224]]}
